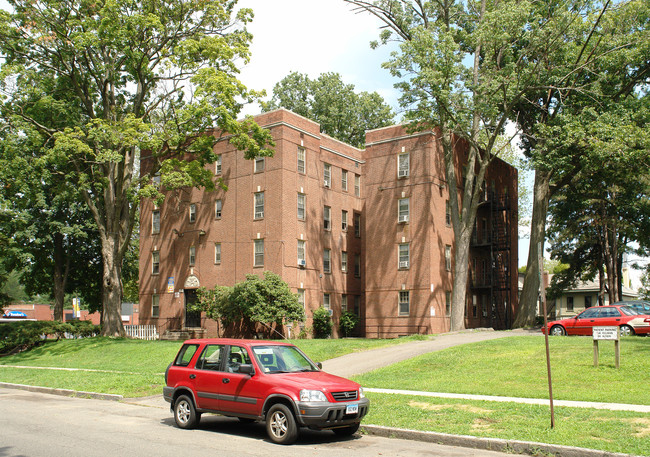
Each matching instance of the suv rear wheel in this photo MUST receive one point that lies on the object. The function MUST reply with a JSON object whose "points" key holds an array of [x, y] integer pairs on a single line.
{"points": [[281, 425], [185, 414]]}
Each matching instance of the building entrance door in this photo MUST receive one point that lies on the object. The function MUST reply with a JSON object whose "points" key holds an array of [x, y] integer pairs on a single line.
{"points": [[192, 318]]}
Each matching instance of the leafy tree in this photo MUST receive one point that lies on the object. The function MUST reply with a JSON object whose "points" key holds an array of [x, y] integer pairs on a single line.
{"points": [[52, 240], [564, 121], [154, 76], [341, 112], [347, 322], [265, 301], [467, 68]]}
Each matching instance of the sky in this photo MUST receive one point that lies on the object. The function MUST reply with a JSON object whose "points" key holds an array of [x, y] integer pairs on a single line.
{"points": [[314, 37]]}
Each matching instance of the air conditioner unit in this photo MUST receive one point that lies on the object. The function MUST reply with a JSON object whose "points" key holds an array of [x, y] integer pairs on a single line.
{"points": [[259, 215], [403, 218], [404, 264], [326, 183], [402, 173], [302, 263]]}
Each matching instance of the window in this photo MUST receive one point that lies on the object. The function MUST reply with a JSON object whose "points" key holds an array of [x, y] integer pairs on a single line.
{"points": [[357, 185], [357, 225], [192, 212], [217, 165], [155, 306], [474, 305], [448, 303], [301, 297], [301, 160], [327, 175], [403, 210], [344, 180], [448, 258], [327, 218], [404, 304], [301, 253], [258, 261], [587, 302], [155, 262], [192, 255], [344, 220], [301, 206], [344, 262], [155, 222], [326, 301], [156, 180], [357, 265], [569, 303], [217, 253], [403, 165], [448, 213], [259, 164], [357, 304], [259, 205], [210, 358], [404, 256], [344, 303], [217, 209], [327, 260]]}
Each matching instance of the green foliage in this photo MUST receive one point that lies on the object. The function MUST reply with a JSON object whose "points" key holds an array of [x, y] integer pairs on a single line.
{"points": [[341, 112], [322, 323], [90, 86], [266, 300], [22, 336], [347, 322]]}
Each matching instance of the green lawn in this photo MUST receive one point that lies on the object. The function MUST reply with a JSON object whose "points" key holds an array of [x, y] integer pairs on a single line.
{"points": [[513, 366]]}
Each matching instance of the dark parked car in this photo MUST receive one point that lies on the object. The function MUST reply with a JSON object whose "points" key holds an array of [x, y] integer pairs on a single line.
{"points": [[261, 380], [642, 306], [628, 319]]}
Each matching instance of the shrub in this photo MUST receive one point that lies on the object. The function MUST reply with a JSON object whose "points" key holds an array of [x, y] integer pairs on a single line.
{"points": [[347, 322], [322, 323], [22, 336]]}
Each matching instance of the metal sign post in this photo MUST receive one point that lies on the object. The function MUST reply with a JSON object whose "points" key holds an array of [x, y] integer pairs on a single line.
{"points": [[542, 296]]}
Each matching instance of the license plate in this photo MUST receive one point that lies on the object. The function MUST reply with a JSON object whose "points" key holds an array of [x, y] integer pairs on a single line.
{"points": [[352, 409]]}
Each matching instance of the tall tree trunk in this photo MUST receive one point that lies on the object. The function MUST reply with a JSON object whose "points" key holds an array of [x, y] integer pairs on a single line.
{"points": [[61, 269], [530, 293], [601, 286], [112, 286], [460, 280]]}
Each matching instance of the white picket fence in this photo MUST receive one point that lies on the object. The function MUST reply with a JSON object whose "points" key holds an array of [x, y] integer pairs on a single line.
{"points": [[142, 332]]}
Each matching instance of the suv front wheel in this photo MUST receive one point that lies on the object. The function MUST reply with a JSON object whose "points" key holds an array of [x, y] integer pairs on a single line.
{"points": [[185, 414], [281, 425]]}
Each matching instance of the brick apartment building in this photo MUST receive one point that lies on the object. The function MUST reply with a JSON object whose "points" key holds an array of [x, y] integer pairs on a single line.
{"points": [[361, 230]]}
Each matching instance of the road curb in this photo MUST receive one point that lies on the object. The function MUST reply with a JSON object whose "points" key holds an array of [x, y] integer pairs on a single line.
{"points": [[63, 392], [487, 444]]}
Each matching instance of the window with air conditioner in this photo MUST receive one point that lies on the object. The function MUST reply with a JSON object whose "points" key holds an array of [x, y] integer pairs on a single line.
{"points": [[259, 205], [403, 165], [403, 210], [327, 218], [404, 255], [327, 175]]}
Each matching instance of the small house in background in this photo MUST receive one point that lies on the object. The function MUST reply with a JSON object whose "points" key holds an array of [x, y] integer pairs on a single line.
{"points": [[575, 300]]}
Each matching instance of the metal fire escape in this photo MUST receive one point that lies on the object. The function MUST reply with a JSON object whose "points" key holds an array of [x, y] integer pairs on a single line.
{"points": [[494, 281]]}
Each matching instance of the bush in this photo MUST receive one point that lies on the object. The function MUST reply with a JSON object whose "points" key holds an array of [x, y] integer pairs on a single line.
{"points": [[22, 336], [322, 323], [347, 322]]}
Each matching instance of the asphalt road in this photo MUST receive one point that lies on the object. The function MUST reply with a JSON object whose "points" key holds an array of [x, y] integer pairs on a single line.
{"points": [[36, 424]]}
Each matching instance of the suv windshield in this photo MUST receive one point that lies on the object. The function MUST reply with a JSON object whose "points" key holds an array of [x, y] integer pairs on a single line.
{"points": [[282, 359]]}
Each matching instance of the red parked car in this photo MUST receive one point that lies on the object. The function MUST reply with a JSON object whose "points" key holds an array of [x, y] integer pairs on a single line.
{"points": [[628, 319], [261, 380]]}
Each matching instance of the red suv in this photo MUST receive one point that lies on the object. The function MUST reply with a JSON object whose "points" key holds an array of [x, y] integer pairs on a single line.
{"points": [[261, 380]]}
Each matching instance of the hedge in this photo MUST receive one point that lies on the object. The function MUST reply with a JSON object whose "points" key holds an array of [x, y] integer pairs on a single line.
{"points": [[24, 335]]}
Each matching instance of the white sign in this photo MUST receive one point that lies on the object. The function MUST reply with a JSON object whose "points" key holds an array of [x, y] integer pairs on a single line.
{"points": [[606, 333]]}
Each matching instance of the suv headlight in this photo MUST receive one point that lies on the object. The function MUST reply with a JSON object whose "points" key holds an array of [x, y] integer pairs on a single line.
{"points": [[312, 395], [361, 394]]}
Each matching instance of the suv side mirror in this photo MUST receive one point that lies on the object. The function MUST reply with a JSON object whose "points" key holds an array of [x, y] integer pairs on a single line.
{"points": [[246, 368]]}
